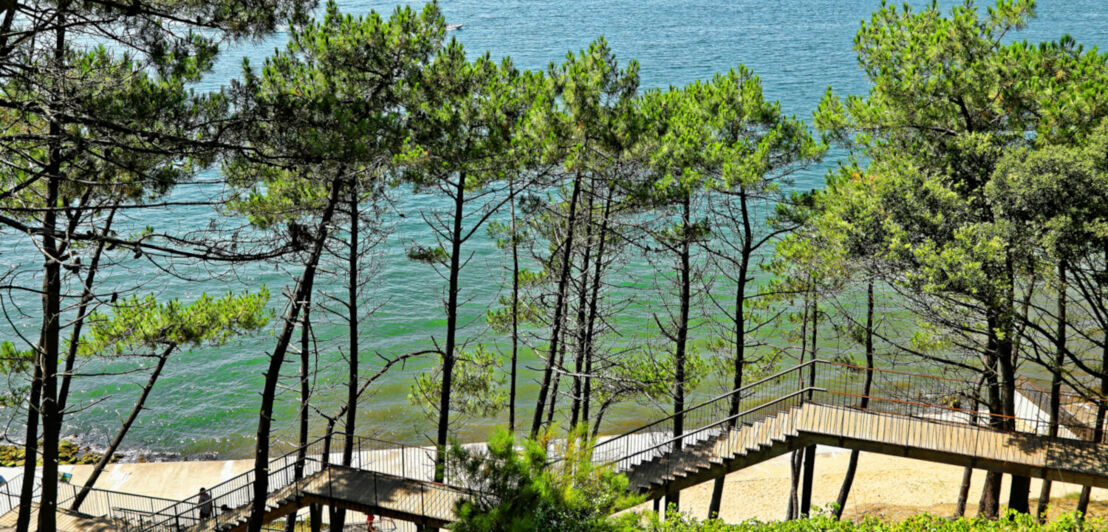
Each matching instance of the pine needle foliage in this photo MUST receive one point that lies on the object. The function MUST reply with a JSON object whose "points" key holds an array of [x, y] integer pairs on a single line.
{"points": [[520, 488]]}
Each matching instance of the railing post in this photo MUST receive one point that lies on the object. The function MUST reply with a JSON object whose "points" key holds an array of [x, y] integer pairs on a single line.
{"points": [[812, 377]]}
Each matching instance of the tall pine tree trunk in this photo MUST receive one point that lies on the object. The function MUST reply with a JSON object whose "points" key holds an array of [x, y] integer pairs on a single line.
{"points": [[106, 458], [448, 357], [582, 313], [51, 310], [515, 310], [553, 406], [795, 461], [338, 515], [797, 456], [82, 311], [273, 372], [989, 505], [682, 335], [863, 403], [1055, 384], [1019, 492], [594, 303], [739, 330], [30, 447], [559, 305], [963, 492], [967, 473], [1102, 404], [305, 397], [810, 451]]}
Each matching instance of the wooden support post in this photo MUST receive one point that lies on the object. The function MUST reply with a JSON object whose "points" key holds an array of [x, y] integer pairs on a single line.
{"points": [[806, 487], [315, 516]]}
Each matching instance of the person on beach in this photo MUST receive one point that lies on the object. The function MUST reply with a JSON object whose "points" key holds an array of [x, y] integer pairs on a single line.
{"points": [[205, 500]]}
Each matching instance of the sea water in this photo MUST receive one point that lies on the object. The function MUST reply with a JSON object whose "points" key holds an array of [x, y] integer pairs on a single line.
{"points": [[206, 403]]}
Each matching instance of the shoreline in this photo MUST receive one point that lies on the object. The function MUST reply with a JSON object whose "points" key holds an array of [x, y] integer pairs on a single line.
{"points": [[889, 487]]}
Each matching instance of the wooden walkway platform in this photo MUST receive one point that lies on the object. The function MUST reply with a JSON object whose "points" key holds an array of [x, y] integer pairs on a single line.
{"points": [[1058, 459], [707, 455], [66, 522], [776, 414], [417, 501]]}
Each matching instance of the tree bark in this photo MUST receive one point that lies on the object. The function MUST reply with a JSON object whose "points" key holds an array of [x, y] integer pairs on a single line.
{"points": [[515, 310], [305, 397], [797, 456], [806, 492], [559, 304], [30, 447], [582, 304], [594, 303], [989, 505], [448, 356], [550, 409], [682, 333], [338, 515], [51, 307], [1019, 490], [1101, 408], [863, 403], [273, 372], [810, 451], [963, 492], [739, 328], [114, 446], [794, 484], [1055, 384], [82, 311]]}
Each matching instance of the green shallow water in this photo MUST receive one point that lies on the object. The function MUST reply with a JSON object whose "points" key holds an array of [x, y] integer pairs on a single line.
{"points": [[207, 401]]}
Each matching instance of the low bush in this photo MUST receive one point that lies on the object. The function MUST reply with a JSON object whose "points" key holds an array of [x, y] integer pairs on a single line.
{"points": [[920, 523]]}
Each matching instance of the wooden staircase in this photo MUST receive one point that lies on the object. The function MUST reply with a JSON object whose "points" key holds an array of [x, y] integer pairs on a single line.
{"points": [[723, 451], [280, 503]]}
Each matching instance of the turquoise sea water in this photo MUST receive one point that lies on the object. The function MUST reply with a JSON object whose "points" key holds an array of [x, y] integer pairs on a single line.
{"points": [[207, 400]]}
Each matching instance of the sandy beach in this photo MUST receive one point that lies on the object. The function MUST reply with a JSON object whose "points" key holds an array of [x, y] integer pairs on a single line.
{"points": [[889, 487], [885, 486]]}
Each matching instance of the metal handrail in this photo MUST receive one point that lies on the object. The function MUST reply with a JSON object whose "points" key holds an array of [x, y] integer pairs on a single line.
{"points": [[725, 395], [684, 436], [77, 489], [242, 481], [10, 498], [1063, 395], [314, 462], [914, 398]]}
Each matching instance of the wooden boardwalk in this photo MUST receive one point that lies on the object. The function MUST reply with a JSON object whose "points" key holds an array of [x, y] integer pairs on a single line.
{"points": [[1059, 459], [707, 455], [418, 501], [66, 522], [774, 418]]}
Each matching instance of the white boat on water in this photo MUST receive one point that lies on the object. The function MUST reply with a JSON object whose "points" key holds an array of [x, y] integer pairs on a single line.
{"points": [[452, 27]]}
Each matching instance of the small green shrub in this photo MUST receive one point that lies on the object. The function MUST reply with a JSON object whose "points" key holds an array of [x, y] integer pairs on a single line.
{"points": [[919, 523], [521, 490]]}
